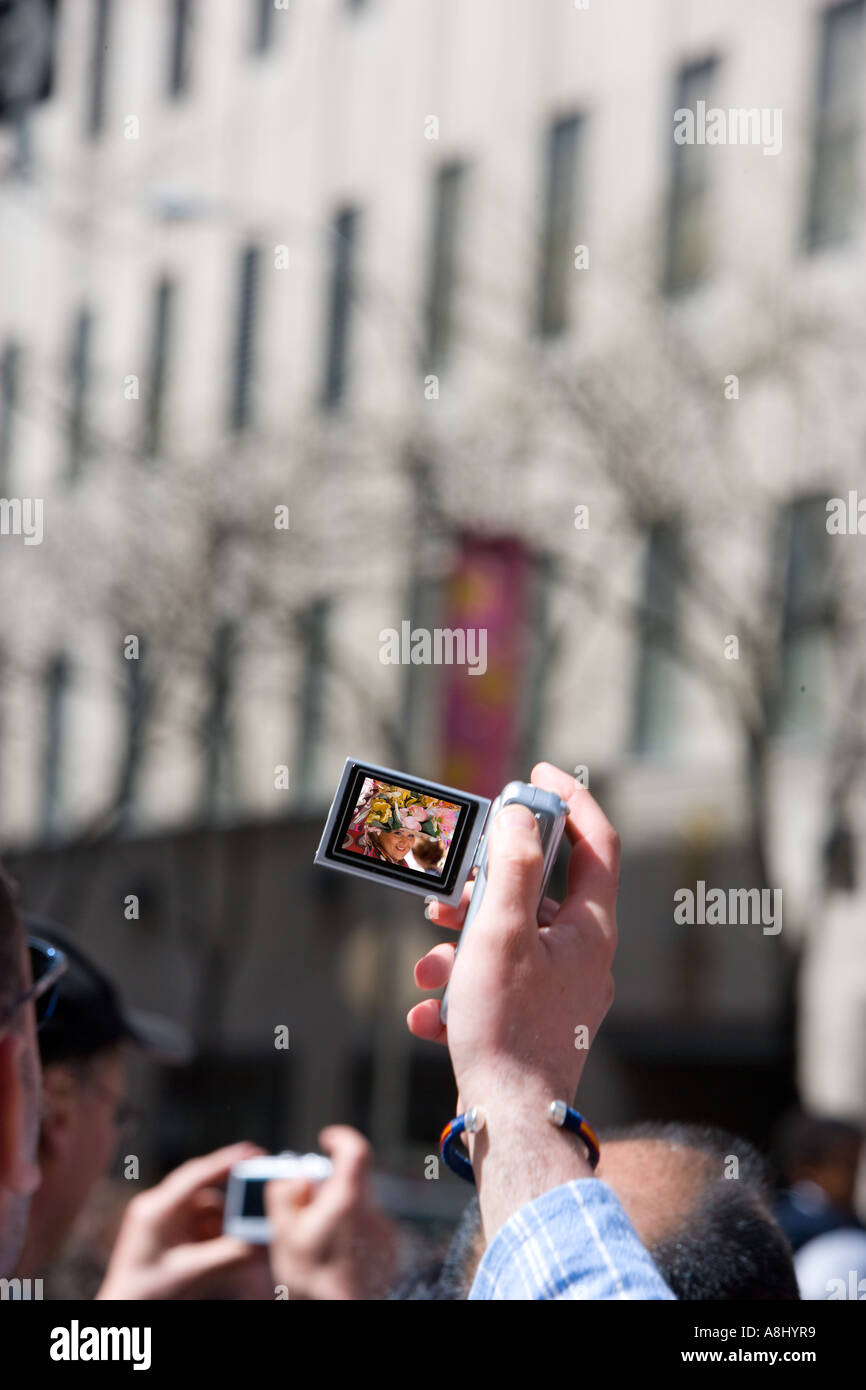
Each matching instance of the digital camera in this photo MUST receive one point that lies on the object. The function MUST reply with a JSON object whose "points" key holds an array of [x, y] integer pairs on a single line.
{"points": [[244, 1211]]}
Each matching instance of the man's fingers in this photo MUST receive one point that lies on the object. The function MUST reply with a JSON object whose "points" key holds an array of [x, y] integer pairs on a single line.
{"points": [[434, 970], [595, 842], [308, 1218], [208, 1199], [424, 1022], [515, 867], [443, 915], [285, 1198], [206, 1209], [187, 1263], [349, 1151], [547, 912], [186, 1180], [346, 1188]]}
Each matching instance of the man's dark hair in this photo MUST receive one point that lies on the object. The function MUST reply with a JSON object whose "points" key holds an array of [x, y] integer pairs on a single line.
{"points": [[804, 1141], [728, 1246], [715, 1144], [450, 1279], [11, 979]]}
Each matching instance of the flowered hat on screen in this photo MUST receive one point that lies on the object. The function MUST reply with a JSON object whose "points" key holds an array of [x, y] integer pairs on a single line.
{"points": [[385, 807]]}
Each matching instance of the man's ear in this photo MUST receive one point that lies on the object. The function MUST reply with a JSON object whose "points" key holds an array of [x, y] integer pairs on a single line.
{"points": [[17, 1174]]}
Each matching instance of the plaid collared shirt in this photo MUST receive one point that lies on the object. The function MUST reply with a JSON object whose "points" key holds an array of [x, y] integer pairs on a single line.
{"points": [[573, 1242]]}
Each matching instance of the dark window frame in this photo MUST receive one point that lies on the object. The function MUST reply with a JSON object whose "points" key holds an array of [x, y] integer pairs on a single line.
{"points": [[563, 154], [833, 125], [242, 394], [689, 187], [448, 205], [58, 679], [164, 312], [81, 371], [341, 297], [98, 70], [179, 67], [219, 732], [808, 604], [10, 389], [664, 581]]}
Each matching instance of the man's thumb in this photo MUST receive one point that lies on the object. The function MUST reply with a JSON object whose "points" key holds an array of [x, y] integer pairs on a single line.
{"points": [[515, 867]]}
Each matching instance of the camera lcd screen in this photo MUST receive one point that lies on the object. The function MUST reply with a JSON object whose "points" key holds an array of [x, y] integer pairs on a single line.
{"points": [[411, 831], [253, 1201]]}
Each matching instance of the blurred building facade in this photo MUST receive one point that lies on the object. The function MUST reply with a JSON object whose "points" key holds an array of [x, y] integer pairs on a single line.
{"points": [[327, 320]]}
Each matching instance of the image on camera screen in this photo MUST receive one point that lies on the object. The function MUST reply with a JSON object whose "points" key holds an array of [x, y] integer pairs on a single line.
{"points": [[254, 1198], [401, 827], [386, 824]]}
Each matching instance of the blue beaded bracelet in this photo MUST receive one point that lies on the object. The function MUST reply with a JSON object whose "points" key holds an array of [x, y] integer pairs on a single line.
{"points": [[471, 1121]]}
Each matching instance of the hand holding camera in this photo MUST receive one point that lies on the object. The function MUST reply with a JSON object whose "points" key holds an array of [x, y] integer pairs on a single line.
{"points": [[331, 1240], [170, 1243], [507, 969], [532, 983], [519, 992]]}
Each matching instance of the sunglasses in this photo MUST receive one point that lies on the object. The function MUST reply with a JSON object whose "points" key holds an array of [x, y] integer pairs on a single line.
{"points": [[47, 964]]}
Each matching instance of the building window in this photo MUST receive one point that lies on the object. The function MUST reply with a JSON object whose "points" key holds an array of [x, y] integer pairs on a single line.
{"points": [[56, 716], [79, 371], [313, 625], [159, 360], [137, 698], [243, 367], [559, 231], [263, 25], [218, 734], [28, 45], [181, 41], [687, 254], [10, 379], [98, 68], [656, 711], [345, 234], [807, 620], [448, 196], [835, 188]]}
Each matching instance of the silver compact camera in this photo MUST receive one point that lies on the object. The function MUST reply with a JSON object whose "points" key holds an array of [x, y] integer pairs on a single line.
{"points": [[244, 1212], [424, 837]]}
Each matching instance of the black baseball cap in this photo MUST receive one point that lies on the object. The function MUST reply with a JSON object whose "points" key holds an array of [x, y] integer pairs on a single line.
{"points": [[89, 1014]]}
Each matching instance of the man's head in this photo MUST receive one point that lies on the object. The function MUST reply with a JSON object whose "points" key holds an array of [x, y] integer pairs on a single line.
{"points": [[83, 1047], [19, 1082], [825, 1151], [712, 1236], [83, 1103], [700, 1200]]}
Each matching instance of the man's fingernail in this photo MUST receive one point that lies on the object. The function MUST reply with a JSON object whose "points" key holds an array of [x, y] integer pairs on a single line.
{"points": [[516, 817]]}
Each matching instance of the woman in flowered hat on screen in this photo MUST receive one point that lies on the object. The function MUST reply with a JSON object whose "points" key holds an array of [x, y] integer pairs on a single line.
{"points": [[387, 820]]}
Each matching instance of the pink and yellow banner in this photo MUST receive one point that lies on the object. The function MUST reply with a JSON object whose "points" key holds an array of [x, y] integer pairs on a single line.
{"points": [[483, 711]]}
